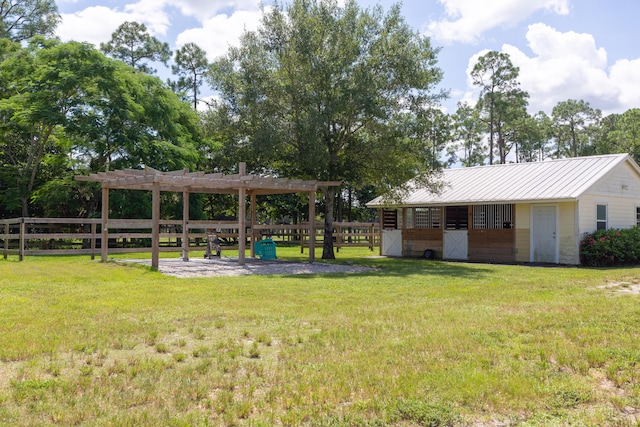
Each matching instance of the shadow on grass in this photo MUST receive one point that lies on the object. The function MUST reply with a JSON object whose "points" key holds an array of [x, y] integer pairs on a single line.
{"points": [[402, 267]]}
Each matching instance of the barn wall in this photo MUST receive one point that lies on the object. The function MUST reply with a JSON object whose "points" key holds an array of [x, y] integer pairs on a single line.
{"points": [[523, 232], [416, 240], [568, 239], [492, 245], [620, 191]]}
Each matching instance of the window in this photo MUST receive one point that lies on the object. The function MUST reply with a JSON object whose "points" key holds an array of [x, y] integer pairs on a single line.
{"points": [[638, 215], [427, 217], [389, 219], [601, 217], [492, 217], [457, 218]]}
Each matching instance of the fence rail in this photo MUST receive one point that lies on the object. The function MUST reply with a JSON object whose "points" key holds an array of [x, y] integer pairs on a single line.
{"points": [[78, 236]]}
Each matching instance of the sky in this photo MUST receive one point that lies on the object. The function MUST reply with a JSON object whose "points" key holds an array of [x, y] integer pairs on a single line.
{"points": [[565, 49]]}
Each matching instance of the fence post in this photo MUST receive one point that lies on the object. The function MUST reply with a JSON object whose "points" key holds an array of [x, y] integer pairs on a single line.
{"points": [[94, 230], [372, 238], [22, 241], [6, 239]]}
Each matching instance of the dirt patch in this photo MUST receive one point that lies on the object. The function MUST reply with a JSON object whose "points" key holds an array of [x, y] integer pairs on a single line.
{"points": [[227, 266], [623, 287]]}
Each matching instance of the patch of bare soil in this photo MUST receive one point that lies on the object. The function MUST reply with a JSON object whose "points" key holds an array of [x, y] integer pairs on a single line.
{"points": [[227, 266], [623, 287]]}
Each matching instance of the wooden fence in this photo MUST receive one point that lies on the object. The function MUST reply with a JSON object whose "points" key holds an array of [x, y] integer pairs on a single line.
{"points": [[78, 236]]}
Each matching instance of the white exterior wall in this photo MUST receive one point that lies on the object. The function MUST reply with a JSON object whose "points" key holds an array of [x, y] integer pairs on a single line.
{"points": [[568, 237], [523, 232], [620, 191]]}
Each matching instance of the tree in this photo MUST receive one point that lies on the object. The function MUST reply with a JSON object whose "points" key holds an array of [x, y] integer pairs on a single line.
{"points": [[133, 45], [191, 67], [532, 135], [65, 108], [572, 122], [21, 20], [44, 83], [321, 91], [501, 99], [626, 133], [467, 134], [528, 134], [434, 127]]}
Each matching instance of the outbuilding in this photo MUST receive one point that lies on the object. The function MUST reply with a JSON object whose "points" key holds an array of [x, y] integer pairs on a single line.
{"points": [[519, 212]]}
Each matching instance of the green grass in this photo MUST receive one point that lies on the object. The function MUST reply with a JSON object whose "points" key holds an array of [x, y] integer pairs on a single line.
{"points": [[412, 343]]}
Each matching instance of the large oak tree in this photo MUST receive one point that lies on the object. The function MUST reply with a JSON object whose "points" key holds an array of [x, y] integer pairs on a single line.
{"points": [[322, 91]]}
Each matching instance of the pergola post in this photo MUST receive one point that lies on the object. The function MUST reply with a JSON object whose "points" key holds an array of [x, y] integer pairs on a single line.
{"points": [[185, 225], [155, 231], [104, 241], [242, 213], [252, 245], [312, 226], [187, 182]]}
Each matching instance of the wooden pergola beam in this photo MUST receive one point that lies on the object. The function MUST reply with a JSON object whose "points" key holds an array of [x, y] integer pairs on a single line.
{"points": [[186, 182]]}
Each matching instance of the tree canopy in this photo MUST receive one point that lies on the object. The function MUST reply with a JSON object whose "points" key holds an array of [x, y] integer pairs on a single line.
{"points": [[22, 19], [191, 66], [501, 100], [65, 106], [132, 44], [322, 91]]}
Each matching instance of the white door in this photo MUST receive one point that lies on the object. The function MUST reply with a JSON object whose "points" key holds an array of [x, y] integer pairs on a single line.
{"points": [[456, 244], [543, 234], [392, 242]]}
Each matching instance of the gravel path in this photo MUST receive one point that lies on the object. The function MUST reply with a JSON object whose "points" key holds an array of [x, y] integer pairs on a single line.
{"points": [[227, 266]]}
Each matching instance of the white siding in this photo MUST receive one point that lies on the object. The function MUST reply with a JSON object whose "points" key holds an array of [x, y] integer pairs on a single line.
{"points": [[523, 232], [620, 191], [568, 240]]}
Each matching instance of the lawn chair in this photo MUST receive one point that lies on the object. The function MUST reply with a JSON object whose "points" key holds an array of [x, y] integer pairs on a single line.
{"points": [[213, 246]]}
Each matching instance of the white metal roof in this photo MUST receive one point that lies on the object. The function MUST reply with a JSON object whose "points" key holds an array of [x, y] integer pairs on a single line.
{"points": [[553, 180]]}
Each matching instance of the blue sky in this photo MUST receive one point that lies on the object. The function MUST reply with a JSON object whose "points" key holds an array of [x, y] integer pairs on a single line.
{"points": [[565, 49]]}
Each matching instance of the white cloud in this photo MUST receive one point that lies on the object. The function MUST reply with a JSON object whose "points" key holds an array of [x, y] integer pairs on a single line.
{"points": [[468, 19], [571, 66], [206, 9], [218, 33], [95, 24], [625, 75], [150, 13]]}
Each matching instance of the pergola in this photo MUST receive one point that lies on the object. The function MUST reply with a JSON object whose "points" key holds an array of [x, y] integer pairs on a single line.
{"points": [[187, 182]]}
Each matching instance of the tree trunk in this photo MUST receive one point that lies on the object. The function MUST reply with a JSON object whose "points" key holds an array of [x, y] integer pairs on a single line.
{"points": [[24, 201], [327, 249]]}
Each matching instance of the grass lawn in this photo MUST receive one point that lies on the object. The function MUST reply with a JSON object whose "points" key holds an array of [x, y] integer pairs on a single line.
{"points": [[412, 343]]}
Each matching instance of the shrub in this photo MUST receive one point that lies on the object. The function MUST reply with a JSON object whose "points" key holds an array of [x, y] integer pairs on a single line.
{"points": [[612, 247]]}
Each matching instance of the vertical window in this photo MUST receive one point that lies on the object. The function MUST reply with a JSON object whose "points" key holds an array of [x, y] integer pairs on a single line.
{"points": [[457, 218], [601, 217], [638, 215], [492, 217], [389, 219], [427, 217]]}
